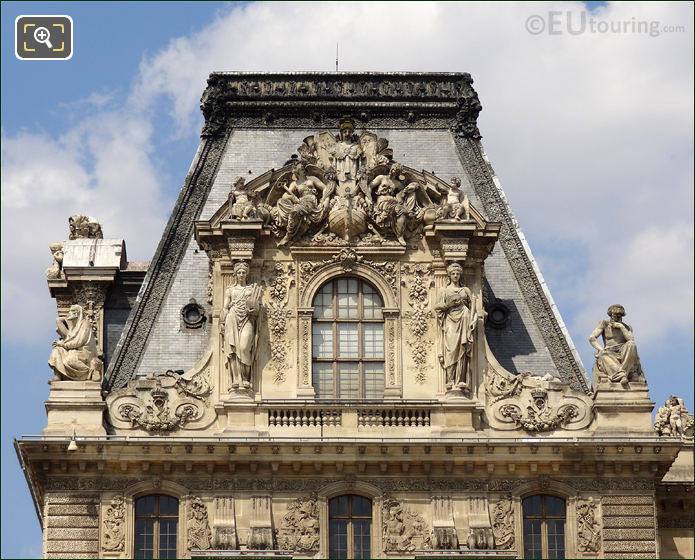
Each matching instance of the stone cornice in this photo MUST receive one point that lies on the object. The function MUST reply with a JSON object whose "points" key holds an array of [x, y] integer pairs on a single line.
{"points": [[286, 98]]}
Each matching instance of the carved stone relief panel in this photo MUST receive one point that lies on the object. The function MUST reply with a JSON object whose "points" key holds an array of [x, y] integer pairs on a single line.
{"points": [[113, 529], [278, 314], [261, 525], [299, 529], [533, 403], [164, 403], [480, 534], [588, 526], [502, 517], [418, 281], [199, 535], [444, 535], [403, 530], [224, 524]]}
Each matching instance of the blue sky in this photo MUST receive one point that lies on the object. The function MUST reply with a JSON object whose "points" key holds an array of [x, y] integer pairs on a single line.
{"points": [[590, 135]]}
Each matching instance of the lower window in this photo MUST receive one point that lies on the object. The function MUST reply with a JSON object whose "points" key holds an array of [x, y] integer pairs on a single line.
{"points": [[544, 526], [350, 527], [156, 526]]}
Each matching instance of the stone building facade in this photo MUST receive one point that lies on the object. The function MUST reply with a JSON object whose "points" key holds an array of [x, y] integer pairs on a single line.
{"points": [[343, 347]]}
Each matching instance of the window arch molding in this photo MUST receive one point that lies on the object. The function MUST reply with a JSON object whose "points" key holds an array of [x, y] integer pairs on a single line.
{"points": [[144, 488], [359, 488], [550, 488], [393, 386], [358, 270]]}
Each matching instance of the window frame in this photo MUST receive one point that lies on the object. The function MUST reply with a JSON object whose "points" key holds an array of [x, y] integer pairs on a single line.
{"points": [[350, 518], [335, 321], [544, 517], [156, 518]]}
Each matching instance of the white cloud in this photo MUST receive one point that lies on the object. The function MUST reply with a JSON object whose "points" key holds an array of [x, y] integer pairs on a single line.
{"points": [[101, 167], [590, 134]]}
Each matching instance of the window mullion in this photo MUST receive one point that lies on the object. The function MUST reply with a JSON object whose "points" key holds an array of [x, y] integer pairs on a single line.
{"points": [[544, 537], [155, 538]]}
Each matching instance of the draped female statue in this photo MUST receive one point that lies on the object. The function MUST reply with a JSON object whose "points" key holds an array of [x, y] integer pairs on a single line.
{"points": [[239, 326], [457, 319], [75, 356], [617, 361]]}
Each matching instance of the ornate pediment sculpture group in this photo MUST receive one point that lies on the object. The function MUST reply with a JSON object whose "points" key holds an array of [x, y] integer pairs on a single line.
{"points": [[348, 188]]}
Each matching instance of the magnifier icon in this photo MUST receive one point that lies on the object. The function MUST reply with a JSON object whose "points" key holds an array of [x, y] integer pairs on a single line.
{"points": [[42, 35]]}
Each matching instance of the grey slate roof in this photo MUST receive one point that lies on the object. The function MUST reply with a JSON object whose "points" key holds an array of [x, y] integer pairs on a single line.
{"points": [[254, 122]]}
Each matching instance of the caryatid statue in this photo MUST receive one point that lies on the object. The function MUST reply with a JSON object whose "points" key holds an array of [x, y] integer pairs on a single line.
{"points": [[75, 357], [239, 326], [457, 318], [617, 360]]}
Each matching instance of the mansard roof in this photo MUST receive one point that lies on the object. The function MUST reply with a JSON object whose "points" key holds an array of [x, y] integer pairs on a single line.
{"points": [[255, 121]]}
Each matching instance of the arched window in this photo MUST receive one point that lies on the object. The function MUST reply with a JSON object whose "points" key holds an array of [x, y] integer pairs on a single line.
{"points": [[348, 341], [156, 526], [544, 526], [349, 527]]}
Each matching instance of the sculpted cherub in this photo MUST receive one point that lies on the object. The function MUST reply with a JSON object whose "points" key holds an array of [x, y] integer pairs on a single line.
{"points": [[456, 205], [245, 204], [55, 270]]}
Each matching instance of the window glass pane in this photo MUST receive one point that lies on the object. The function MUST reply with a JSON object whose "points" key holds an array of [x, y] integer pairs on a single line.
{"points": [[532, 505], [144, 538], [347, 298], [347, 340], [556, 538], [168, 505], [532, 538], [322, 340], [337, 544], [371, 302], [374, 380], [167, 538], [323, 380], [145, 505], [362, 537], [339, 506], [348, 381], [361, 506], [555, 507], [323, 303], [373, 344]]}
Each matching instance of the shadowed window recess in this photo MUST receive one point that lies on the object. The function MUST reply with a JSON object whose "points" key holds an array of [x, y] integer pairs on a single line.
{"points": [[350, 527], [544, 526], [156, 526]]}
